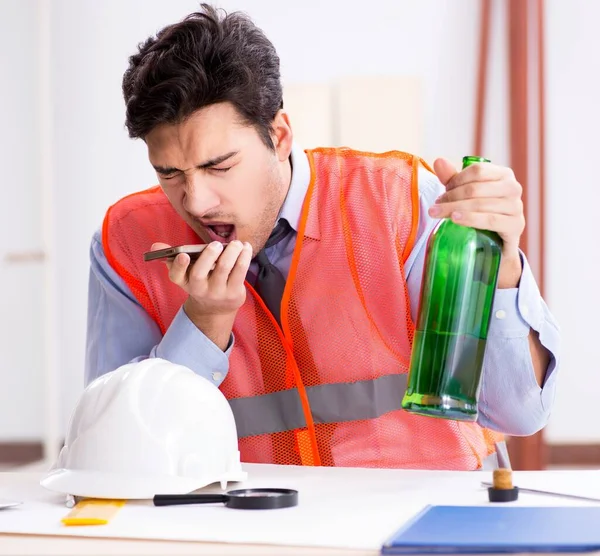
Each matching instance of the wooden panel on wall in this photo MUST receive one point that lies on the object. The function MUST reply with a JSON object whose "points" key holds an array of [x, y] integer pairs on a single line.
{"points": [[381, 113], [310, 110], [365, 113], [526, 100]]}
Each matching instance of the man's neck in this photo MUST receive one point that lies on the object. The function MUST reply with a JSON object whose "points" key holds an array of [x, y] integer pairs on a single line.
{"points": [[287, 179]]}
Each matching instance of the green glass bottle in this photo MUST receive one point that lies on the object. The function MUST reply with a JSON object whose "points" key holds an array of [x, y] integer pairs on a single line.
{"points": [[457, 294]]}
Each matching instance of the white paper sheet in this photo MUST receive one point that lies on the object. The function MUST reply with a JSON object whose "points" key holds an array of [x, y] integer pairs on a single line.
{"points": [[338, 508]]}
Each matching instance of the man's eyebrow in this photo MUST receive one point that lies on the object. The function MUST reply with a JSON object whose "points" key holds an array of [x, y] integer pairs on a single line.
{"points": [[217, 160], [165, 170], [208, 164]]}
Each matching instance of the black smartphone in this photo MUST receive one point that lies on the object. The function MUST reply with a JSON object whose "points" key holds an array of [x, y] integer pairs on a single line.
{"points": [[170, 253]]}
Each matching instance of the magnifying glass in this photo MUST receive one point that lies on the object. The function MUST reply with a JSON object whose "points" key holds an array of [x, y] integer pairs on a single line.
{"points": [[244, 499]]}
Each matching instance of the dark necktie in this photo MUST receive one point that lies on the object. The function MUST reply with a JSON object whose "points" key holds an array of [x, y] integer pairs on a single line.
{"points": [[269, 281]]}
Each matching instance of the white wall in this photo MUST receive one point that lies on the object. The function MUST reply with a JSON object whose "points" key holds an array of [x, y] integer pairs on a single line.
{"points": [[95, 163], [572, 262], [20, 231]]}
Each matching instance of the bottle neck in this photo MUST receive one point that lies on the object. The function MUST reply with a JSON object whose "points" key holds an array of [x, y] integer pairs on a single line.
{"points": [[468, 160]]}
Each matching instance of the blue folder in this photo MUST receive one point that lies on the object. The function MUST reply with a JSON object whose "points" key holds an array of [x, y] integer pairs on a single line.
{"points": [[497, 529]]}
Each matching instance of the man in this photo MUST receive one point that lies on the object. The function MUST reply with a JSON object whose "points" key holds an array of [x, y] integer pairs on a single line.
{"points": [[315, 373]]}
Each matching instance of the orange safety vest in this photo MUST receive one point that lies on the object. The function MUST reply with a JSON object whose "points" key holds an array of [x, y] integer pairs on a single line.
{"points": [[325, 388]]}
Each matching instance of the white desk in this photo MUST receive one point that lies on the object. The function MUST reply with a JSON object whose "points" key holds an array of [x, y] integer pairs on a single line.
{"points": [[37, 545], [341, 511]]}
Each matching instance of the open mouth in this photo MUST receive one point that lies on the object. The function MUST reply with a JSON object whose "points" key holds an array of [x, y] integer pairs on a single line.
{"points": [[221, 232]]}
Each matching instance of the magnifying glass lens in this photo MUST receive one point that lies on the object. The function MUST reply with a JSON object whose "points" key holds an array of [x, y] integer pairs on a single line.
{"points": [[256, 494], [262, 498]]}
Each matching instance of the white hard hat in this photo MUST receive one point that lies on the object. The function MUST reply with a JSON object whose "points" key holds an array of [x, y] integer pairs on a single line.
{"points": [[147, 428]]}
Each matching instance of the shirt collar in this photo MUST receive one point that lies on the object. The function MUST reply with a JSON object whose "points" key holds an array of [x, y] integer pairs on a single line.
{"points": [[291, 209]]}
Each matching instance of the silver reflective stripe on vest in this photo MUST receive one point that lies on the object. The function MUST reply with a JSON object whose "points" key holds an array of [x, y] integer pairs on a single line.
{"points": [[329, 403]]}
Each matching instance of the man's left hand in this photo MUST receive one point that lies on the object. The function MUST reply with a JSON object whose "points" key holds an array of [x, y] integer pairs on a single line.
{"points": [[487, 197]]}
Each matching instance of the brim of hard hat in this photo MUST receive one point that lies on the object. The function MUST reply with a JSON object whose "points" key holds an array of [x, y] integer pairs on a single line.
{"points": [[93, 484]]}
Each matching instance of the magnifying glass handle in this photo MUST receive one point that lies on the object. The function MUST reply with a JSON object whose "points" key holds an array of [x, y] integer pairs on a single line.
{"points": [[179, 499]]}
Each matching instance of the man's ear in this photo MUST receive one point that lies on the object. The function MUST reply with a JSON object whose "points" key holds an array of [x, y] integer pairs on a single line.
{"points": [[282, 135]]}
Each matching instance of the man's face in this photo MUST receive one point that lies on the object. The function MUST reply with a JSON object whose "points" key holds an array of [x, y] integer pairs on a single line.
{"points": [[220, 177]]}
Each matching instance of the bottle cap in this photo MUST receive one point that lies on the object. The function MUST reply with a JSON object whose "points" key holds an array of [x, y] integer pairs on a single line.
{"points": [[503, 495]]}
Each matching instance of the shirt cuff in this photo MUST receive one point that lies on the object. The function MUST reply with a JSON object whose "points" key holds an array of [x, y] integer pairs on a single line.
{"points": [[515, 312], [185, 344]]}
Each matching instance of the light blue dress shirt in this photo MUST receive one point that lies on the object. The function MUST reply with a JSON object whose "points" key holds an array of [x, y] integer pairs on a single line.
{"points": [[120, 331]]}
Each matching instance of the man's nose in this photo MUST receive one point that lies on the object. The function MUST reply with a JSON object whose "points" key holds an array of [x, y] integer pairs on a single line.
{"points": [[199, 197]]}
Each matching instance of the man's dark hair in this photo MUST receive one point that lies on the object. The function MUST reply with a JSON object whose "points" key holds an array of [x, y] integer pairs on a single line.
{"points": [[207, 58]]}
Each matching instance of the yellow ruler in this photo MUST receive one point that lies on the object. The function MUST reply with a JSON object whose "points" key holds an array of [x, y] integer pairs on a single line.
{"points": [[93, 511]]}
